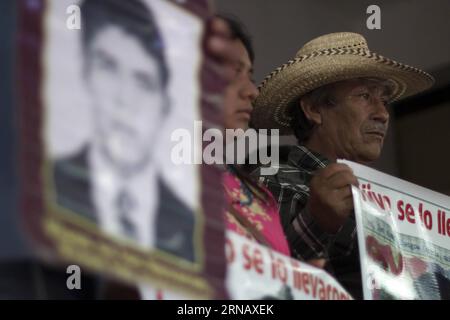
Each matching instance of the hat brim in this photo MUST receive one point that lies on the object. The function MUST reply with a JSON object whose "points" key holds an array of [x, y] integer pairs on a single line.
{"points": [[283, 87]]}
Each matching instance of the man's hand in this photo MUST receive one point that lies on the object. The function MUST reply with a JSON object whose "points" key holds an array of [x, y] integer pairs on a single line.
{"points": [[331, 201]]}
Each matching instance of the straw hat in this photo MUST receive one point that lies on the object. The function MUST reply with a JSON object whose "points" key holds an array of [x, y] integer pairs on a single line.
{"points": [[327, 59]]}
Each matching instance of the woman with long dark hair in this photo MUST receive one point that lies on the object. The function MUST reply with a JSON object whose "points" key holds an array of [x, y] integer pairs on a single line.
{"points": [[251, 209]]}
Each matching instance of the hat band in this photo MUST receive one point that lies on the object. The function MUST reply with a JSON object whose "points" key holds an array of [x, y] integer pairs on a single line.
{"points": [[341, 51]]}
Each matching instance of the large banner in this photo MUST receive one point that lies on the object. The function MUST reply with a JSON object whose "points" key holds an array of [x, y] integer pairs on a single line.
{"points": [[256, 272], [403, 236], [103, 84]]}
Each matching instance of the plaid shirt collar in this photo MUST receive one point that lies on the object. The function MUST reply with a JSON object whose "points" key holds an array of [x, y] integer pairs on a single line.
{"points": [[302, 157]]}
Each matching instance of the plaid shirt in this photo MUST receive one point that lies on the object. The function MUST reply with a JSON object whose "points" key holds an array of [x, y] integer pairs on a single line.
{"points": [[290, 186]]}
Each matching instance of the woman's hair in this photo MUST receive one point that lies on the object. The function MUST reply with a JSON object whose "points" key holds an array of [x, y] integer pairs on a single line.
{"points": [[238, 31]]}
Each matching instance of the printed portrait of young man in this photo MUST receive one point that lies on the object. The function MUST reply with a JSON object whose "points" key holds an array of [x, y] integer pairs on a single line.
{"points": [[113, 180]]}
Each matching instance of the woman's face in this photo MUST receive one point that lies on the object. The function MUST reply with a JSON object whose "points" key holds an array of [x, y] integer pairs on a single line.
{"points": [[240, 92]]}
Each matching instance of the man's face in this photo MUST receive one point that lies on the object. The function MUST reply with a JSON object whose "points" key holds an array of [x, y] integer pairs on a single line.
{"points": [[356, 126], [128, 100], [240, 92]]}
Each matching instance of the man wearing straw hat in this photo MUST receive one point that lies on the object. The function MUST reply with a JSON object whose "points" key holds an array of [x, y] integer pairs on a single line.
{"points": [[333, 97]]}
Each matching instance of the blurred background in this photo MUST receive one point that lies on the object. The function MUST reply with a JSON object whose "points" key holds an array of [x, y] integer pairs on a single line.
{"points": [[414, 32]]}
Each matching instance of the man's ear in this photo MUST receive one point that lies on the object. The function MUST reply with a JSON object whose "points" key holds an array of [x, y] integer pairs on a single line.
{"points": [[311, 112]]}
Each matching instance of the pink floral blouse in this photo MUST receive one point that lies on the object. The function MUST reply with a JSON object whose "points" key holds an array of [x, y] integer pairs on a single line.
{"points": [[262, 214]]}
